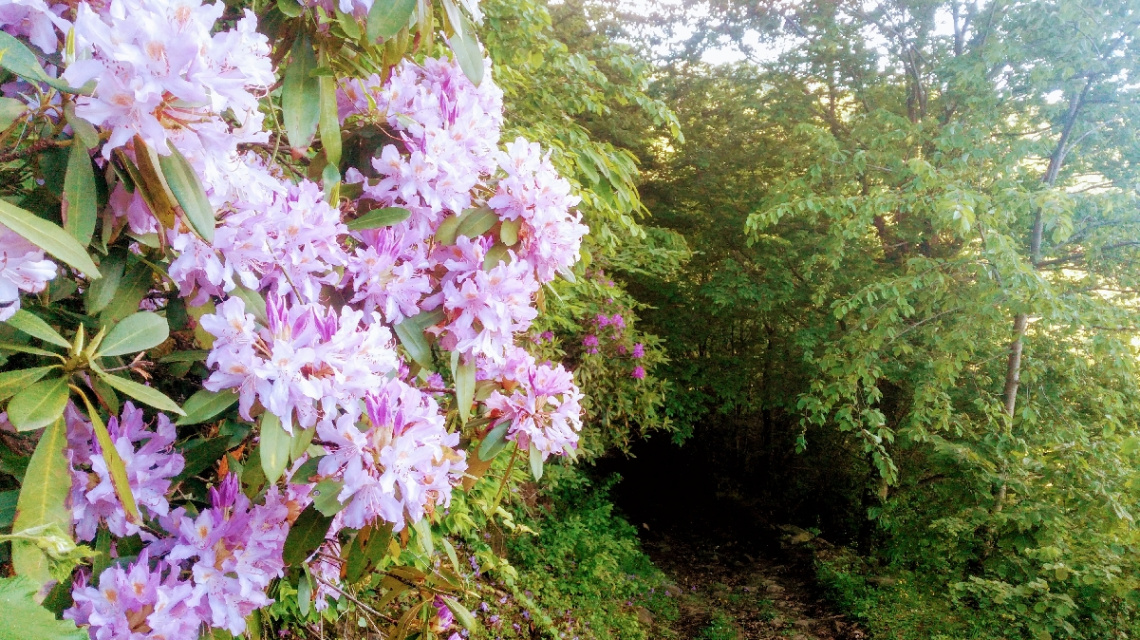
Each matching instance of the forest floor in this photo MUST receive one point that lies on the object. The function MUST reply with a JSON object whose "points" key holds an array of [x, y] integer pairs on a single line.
{"points": [[727, 588], [736, 574]]}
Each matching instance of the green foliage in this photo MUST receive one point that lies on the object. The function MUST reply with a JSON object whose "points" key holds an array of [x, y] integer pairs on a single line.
{"points": [[24, 618], [584, 567], [916, 181], [583, 96], [719, 628]]}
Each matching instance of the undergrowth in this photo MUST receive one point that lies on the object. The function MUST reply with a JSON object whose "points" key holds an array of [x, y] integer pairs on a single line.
{"points": [[579, 571]]}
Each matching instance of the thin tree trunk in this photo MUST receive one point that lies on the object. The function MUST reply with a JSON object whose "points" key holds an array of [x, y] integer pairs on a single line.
{"points": [[1021, 320]]}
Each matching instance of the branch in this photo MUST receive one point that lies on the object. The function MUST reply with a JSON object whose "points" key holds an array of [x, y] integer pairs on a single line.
{"points": [[35, 147]]}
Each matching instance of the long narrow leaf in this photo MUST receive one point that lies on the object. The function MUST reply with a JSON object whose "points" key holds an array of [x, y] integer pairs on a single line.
{"points": [[34, 326], [43, 500], [300, 95], [80, 206], [47, 236], [38, 405], [114, 461], [142, 393], [189, 193]]}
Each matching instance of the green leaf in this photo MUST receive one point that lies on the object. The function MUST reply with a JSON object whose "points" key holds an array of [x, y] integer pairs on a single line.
{"points": [[188, 191], [449, 549], [300, 95], [39, 404], [411, 335], [12, 382], [306, 471], [201, 457], [464, 375], [114, 461], [47, 236], [290, 8], [43, 501], [306, 534], [424, 536], [274, 447], [304, 593], [138, 332], [23, 348], [496, 254], [535, 462], [149, 182], [80, 206], [85, 132], [24, 619], [11, 110], [20, 60], [476, 222], [100, 292], [34, 326], [495, 441], [446, 231], [254, 303], [377, 218], [329, 121], [205, 405], [325, 497], [125, 299], [8, 507], [465, 46], [509, 231], [142, 393], [300, 442], [387, 17], [191, 355], [462, 614]]}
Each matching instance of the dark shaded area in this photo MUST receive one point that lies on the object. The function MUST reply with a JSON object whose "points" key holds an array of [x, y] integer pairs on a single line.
{"points": [[742, 483], [724, 537]]}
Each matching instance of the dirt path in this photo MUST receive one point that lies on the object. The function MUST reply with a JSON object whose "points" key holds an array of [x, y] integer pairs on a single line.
{"points": [[728, 590], [736, 575]]}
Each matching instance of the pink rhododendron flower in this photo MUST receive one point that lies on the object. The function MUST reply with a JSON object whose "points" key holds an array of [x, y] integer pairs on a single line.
{"points": [[22, 268], [137, 603], [157, 67], [309, 364], [148, 458], [402, 467], [543, 408], [234, 549]]}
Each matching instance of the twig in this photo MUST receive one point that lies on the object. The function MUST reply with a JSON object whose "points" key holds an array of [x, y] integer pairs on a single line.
{"points": [[35, 147]]}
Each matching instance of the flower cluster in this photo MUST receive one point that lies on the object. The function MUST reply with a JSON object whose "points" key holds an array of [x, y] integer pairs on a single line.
{"points": [[302, 312], [157, 67], [283, 242], [140, 602], [405, 463], [215, 569], [234, 550], [22, 268], [607, 335], [307, 365], [147, 457], [541, 404], [534, 193]]}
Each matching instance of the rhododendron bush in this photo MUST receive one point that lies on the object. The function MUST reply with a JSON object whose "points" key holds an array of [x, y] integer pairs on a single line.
{"points": [[267, 279]]}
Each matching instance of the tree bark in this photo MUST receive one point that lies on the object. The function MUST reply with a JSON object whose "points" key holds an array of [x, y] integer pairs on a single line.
{"points": [[1021, 320]]}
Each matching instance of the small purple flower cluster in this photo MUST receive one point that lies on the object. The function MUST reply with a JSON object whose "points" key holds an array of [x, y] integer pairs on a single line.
{"points": [[211, 569], [149, 461], [613, 328]]}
